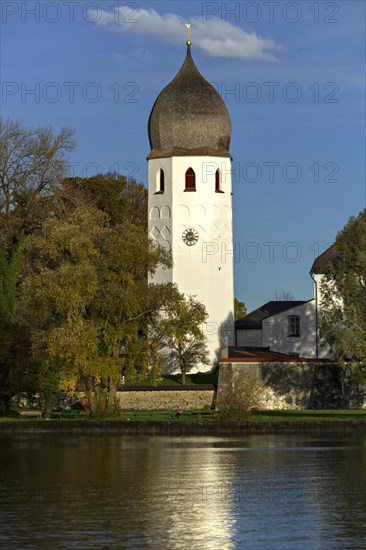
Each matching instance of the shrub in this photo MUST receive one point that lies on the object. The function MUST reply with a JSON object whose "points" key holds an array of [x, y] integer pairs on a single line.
{"points": [[239, 396], [104, 407]]}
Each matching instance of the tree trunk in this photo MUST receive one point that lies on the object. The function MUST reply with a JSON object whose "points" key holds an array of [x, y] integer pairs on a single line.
{"points": [[183, 376], [87, 384], [342, 382], [112, 391]]}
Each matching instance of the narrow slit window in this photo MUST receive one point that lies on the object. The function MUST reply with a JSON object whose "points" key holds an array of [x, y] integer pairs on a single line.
{"points": [[217, 181], [190, 180], [160, 181]]}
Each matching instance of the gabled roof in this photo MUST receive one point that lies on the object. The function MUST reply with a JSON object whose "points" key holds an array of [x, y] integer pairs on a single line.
{"points": [[254, 319], [322, 262]]}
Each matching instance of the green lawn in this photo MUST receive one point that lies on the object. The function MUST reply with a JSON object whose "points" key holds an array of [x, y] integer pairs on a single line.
{"points": [[307, 415], [256, 416], [262, 416]]}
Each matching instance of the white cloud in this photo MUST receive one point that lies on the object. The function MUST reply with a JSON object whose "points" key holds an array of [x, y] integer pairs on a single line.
{"points": [[214, 37]]}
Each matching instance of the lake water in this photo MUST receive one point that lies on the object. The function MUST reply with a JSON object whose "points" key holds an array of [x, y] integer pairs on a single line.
{"points": [[165, 492]]}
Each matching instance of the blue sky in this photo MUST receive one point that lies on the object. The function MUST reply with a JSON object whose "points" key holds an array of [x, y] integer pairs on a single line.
{"points": [[293, 78]]}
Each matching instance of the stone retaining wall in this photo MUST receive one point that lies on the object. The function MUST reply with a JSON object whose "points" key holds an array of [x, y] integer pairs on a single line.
{"points": [[165, 399], [294, 385]]}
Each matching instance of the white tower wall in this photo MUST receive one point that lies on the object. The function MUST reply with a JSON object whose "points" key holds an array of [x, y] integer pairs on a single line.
{"points": [[205, 269]]}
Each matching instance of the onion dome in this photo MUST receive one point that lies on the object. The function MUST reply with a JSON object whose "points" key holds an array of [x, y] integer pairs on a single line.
{"points": [[189, 117]]}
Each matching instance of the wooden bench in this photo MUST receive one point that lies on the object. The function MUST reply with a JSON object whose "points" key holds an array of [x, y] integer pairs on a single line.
{"points": [[178, 414], [30, 414], [194, 414], [171, 414], [69, 413], [205, 414], [144, 414]]}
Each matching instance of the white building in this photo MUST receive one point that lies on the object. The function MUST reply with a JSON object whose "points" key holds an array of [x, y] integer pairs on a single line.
{"points": [[281, 326], [190, 196], [317, 272], [290, 327]]}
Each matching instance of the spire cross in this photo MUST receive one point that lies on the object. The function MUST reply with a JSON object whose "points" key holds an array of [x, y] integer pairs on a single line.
{"points": [[188, 25]]}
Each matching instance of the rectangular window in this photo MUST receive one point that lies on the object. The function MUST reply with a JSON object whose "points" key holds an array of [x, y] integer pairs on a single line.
{"points": [[294, 325]]}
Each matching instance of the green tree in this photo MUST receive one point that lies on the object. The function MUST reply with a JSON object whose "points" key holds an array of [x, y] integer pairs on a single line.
{"points": [[240, 309], [343, 303], [50, 385], [183, 339], [18, 372]]}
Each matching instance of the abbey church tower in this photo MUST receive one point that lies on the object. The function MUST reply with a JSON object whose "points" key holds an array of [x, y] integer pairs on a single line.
{"points": [[190, 198]]}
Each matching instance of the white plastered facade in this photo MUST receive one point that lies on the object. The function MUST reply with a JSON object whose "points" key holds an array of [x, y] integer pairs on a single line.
{"points": [[205, 269]]}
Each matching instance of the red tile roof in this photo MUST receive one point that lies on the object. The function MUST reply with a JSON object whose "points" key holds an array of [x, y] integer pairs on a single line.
{"points": [[245, 355]]}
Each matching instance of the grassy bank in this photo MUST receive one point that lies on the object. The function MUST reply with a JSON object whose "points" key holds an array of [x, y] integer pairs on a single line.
{"points": [[308, 415], [279, 416]]}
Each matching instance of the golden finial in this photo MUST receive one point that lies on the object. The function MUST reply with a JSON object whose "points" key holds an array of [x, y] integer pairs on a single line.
{"points": [[188, 25]]}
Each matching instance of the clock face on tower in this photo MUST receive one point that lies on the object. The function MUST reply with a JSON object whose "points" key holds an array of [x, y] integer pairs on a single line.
{"points": [[190, 236]]}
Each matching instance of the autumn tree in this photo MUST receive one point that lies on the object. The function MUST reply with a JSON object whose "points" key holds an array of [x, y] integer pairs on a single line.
{"points": [[183, 339], [240, 309], [343, 303], [118, 196], [32, 162], [10, 268], [85, 295]]}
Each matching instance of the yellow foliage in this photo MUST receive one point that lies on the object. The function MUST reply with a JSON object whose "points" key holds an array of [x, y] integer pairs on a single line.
{"points": [[68, 385]]}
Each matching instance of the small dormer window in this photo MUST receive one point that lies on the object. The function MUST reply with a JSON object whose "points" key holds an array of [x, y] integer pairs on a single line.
{"points": [[160, 181], [190, 180], [293, 326]]}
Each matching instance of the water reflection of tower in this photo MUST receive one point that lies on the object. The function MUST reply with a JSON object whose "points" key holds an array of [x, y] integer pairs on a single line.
{"points": [[187, 497]]}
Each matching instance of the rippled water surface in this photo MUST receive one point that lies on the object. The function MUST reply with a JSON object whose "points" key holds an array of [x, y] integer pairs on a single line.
{"points": [[256, 491]]}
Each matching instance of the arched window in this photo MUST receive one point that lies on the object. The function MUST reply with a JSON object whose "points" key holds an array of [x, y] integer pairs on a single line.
{"points": [[293, 325], [217, 181], [190, 180], [160, 181]]}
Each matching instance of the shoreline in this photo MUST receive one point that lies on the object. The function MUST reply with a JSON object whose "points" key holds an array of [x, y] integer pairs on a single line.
{"points": [[152, 427]]}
